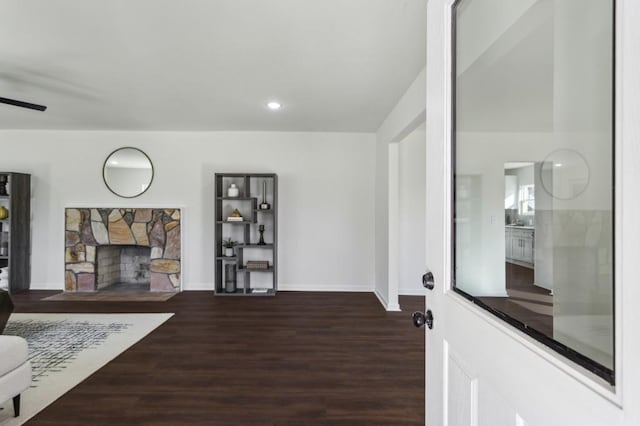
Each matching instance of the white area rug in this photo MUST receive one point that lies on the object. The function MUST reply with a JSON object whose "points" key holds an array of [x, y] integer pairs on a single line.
{"points": [[65, 349]]}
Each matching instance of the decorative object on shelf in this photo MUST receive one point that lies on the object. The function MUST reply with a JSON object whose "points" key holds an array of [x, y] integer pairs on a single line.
{"points": [[257, 264], [230, 285], [4, 213], [4, 243], [264, 205], [3, 185], [233, 191], [235, 216], [261, 230], [260, 290], [228, 245]]}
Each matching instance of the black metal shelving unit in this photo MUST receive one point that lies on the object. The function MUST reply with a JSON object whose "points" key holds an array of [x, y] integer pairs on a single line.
{"points": [[246, 233], [16, 230]]}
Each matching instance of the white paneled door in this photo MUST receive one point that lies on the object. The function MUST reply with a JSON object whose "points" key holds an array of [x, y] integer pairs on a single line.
{"points": [[480, 369]]}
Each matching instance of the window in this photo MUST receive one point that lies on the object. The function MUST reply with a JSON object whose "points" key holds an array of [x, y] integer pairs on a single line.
{"points": [[527, 205], [533, 141]]}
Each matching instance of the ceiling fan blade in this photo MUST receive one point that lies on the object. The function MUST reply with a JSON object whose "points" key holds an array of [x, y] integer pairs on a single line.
{"points": [[22, 104]]}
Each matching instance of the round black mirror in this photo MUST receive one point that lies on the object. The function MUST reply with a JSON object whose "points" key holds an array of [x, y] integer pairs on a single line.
{"points": [[128, 172]]}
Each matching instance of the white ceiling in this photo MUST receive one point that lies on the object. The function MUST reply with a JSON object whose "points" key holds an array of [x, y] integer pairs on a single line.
{"points": [[336, 65]]}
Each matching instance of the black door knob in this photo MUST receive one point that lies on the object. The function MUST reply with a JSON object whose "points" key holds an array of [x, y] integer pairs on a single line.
{"points": [[420, 319], [428, 281]]}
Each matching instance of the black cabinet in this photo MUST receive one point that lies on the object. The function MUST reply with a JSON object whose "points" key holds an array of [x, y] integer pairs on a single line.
{"points": [[246, 212], [15, 235]]}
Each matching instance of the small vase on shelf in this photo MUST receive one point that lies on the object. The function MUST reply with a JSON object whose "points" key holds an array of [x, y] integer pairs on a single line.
{"points": [[264, 205], [4, 243], [230, 285], [261, 230], [233, 191]]}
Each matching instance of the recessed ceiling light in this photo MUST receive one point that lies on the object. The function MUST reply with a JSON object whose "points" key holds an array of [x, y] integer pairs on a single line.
{"points": [[114, 162], [558, 165], [274, 106]]}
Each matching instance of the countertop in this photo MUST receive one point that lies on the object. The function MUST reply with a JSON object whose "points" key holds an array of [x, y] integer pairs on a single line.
{"points": [[520, 226]]}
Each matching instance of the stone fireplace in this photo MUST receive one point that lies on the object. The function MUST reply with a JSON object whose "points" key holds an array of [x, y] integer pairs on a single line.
{"points": [[127, 245]]}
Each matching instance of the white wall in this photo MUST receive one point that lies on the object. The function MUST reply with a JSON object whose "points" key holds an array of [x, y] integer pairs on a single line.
{"points": [[412, 212], [382, 222], [326, 196], [408, 114]]}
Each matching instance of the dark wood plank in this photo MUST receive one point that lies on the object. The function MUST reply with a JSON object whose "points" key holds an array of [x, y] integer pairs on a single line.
{"points": [[293, 359]]}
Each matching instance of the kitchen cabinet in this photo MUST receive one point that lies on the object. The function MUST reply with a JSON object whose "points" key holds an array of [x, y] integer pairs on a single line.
{"points": [[519, 245]]}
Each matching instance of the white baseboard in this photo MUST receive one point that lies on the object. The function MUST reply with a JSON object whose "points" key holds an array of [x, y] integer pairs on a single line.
{"points": [[523, 264], [326, 287], [385, 304], [413, 292], [210, 286], [198, 287], [495, 294], [46, 286], [546, 287]]}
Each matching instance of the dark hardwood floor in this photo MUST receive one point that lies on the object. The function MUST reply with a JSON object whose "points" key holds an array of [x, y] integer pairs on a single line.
{"points": [[293, 359], [527, 303]]}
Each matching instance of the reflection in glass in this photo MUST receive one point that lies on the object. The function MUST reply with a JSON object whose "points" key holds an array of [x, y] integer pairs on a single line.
{"points": [[533, 169], [128, 172], [571, 173]]}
